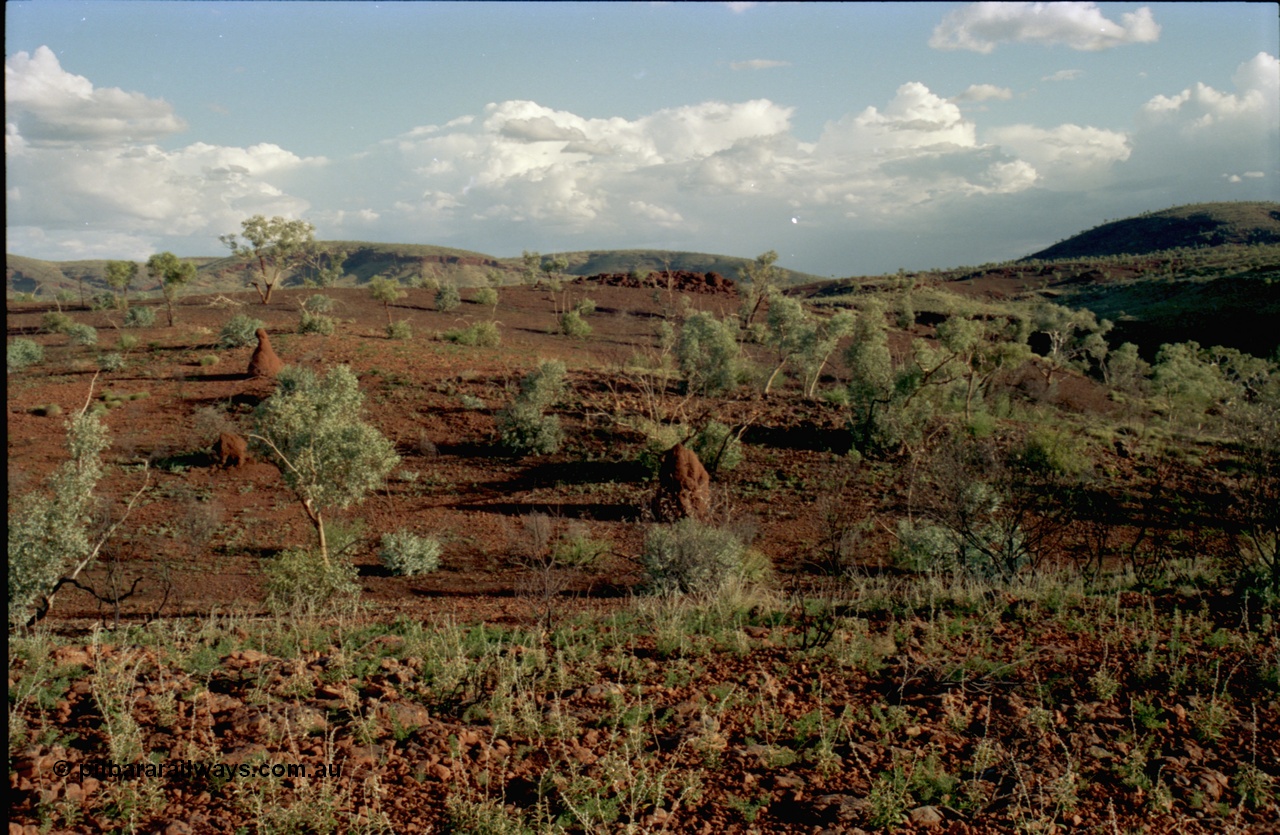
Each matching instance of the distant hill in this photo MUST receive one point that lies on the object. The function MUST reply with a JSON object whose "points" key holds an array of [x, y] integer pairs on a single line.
{"points": [[403, 262], [595, 262], [1193, 226]]}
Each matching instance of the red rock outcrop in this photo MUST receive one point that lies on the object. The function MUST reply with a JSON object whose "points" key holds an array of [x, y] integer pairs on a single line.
{"points": [[684, 487], [231, 450], [264, 362], [682, 281]]}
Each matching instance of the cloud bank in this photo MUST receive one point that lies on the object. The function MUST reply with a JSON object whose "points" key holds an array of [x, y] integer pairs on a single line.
{"points": [[88, 176], [979, 27]]}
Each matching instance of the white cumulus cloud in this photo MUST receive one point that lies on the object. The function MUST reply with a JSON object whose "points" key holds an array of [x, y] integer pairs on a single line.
{"points": [[1068, 157], [1189, 132], [985, 92], [45, 105], [758, 64], [979, 27], [1064, 75]]}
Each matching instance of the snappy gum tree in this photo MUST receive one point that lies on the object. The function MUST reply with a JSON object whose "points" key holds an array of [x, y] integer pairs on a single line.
{"points": [[327, 455], [275, 245], [173, 273], [386, 291], [119, 275]]}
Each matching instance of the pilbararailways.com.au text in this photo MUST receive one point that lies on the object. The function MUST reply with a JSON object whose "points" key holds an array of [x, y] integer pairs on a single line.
{"points": [[190, 769]]}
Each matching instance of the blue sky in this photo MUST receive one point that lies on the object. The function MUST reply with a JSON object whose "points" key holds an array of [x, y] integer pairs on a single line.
{"points": [[852, 138]]}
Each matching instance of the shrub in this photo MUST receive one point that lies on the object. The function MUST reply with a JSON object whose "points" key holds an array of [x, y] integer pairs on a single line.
{"points": [[399, 330], [717, 446], [522, 427], [22, 353], [208, 360], [690, 556], [484, 334], [545, 385], [709, 356], [585, 307], [1047, 452], [658, 438], [315, 323], [82, 334], [318, 303], [572, 324], [55, 321], [407, 555], [923, 547], [487, 296], [139, 317], [104, 301], [112, 361], [525, 430], [127, 342], [448, 298], [297, 580], [328, 456], [241, 330], [577, 549], [49, 534]]}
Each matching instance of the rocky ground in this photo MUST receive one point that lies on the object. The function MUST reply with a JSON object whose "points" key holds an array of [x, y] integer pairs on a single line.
{"points": [[503, 694]]}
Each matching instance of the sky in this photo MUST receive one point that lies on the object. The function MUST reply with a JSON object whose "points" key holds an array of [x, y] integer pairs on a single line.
{"points": [[851, 138]]}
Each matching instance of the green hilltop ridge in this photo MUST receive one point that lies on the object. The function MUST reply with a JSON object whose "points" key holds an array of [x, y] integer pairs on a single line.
{"points": [[1193, 226], [596, 262], [1208, 272], [402, 262]]}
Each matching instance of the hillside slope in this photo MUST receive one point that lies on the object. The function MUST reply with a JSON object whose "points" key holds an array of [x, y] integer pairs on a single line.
{"points": [[404, 262], [1193, 226]]}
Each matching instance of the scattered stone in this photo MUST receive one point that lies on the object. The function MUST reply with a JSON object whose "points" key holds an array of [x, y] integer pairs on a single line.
{"points": [[926, 816], [684, 487], [264, 362]]}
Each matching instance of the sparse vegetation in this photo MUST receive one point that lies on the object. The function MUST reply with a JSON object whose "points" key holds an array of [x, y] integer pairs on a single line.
{"points": [[139, 317], [524, 427], [328, 456], [484, 334], [448, 298], [1006, 599], [239, 331], [407, 554], [22, 353]]}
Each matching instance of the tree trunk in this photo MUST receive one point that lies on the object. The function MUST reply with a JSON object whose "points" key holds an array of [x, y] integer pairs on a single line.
{"points": [[317, 519]]}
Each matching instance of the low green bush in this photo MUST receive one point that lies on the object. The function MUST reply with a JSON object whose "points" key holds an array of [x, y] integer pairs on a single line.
{"points": [[316, 323], [484, 334], [239, 331], [22, 353], [407, 555], [139, 317], [572, 324], [318, 303], [525, 430], [399, 329], [299, 581], [55, 321], [692, 557], [82, 334], [448, 298], [717, 447]]}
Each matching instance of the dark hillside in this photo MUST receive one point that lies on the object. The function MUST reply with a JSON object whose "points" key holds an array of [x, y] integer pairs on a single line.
{"points": [[650, 260], [1193, 226]]}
